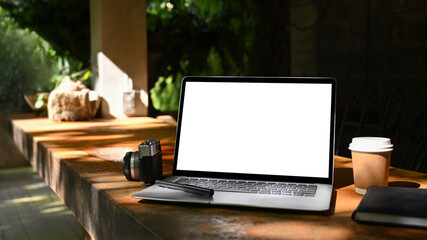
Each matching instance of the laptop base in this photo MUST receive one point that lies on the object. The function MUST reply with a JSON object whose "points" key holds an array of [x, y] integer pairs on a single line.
{"points": [[321, 202]]}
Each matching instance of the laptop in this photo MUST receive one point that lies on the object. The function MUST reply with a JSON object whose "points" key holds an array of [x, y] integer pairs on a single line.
{"points": [[263, 142]]}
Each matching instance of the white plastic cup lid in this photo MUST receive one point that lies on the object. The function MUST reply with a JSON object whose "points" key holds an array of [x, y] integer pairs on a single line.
{"points": [[371, 144]]}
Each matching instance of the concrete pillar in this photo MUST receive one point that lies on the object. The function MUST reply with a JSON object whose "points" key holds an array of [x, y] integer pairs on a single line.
{"points": [[119, 52]]}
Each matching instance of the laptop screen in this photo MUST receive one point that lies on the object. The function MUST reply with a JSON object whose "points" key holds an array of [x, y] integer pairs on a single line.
{"points": [[262, 127]]}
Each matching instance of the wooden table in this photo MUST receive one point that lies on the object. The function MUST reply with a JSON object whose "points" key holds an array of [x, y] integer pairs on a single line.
{"points": [[81, 163]]}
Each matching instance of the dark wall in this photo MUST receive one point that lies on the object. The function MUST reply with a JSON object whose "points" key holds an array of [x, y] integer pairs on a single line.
{"points": [[377, 51]]}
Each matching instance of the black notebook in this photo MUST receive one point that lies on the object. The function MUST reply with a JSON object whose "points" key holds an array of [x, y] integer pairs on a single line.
{"points": [[400, 206]]}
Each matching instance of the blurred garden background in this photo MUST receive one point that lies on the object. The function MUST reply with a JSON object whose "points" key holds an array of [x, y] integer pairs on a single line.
{"points": [[377, 51], [39, 44], [42, 40]]}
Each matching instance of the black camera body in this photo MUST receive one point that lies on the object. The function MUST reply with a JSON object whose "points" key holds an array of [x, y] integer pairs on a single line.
{"points": [[144, 165]]}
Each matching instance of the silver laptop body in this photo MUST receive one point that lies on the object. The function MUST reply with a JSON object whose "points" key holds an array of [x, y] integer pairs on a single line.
{"points": [[261, 131]]}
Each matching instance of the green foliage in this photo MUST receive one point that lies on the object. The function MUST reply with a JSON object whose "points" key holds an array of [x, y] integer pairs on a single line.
{"points": [[71, 70], [64, 24], [29, 63], [215, 37], [26, 63], [165, 94]]}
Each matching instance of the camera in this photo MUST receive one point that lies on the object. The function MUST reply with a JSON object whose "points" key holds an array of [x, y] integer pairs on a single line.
{"points": [[144, 165]]}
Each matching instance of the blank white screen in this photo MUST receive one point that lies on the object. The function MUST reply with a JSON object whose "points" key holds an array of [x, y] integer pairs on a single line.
{"points": [[256, 128]]}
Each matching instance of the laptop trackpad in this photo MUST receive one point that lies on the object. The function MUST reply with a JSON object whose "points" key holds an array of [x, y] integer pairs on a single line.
{"points": [[222, 198], [266, 201]]}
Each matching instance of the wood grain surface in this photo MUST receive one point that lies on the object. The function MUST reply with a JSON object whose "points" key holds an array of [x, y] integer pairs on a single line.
{"points": [[81, 162]]}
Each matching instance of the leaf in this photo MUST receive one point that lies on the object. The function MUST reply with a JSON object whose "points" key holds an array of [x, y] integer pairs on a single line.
{"points": [[79, 74], [39, 102], [87, 75]]}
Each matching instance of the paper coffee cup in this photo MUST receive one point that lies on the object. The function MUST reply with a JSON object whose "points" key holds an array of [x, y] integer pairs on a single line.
{"points": [[371, 161]]}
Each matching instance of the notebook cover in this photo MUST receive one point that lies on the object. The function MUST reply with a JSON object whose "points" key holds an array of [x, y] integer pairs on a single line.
{"points": [[393, 201]]}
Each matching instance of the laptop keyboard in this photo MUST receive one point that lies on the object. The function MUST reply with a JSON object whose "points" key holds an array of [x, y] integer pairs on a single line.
{"points": [[274, 188]]}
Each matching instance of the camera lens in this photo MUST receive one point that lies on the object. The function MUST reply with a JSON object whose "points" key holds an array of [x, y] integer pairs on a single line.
{"points": [[131, 164], [126, 166]]}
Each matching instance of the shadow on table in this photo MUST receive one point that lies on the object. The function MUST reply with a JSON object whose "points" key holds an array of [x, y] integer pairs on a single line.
{"points": [[404, 184], [343, 177], [226, 208]]}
